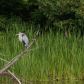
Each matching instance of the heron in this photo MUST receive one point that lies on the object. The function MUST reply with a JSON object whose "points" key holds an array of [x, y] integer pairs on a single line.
{"points": [[23, 38]]}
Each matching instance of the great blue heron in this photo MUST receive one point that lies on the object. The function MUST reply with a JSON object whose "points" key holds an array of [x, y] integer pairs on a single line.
{"points": [[23, 38]]}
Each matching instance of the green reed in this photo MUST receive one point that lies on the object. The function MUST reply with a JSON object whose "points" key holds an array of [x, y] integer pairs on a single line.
{"points": [[51, 57]]}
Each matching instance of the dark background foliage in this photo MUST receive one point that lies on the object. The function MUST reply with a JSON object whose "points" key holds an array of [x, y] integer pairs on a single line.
{"points": [[60, 14]]}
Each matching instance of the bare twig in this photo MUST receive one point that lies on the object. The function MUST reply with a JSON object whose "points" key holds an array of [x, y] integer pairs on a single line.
{"points": [[7, 67], [9, 62], [3, 54], [3, 60], [32, 49], [15, 77], [35, 48], [6, 62], [24, 80]]}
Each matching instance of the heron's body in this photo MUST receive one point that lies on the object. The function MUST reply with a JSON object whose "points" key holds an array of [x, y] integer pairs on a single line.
{"points": [[23, 38]]}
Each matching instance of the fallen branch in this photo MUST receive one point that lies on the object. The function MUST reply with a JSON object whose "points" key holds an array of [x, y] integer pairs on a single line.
{"points": [[7, 67]]}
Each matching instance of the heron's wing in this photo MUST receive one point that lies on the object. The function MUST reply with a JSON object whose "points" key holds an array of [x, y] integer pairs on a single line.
{"points": [[24, 39]]}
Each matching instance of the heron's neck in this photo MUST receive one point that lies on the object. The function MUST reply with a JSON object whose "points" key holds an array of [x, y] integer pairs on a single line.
{"points": [[20, 38]]}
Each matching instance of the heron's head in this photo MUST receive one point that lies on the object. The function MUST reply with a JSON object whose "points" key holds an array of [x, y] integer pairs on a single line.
{"points": [[18, 33]]}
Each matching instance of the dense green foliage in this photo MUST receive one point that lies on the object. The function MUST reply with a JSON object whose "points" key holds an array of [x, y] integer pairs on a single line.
{"points": [[51, 57], [61, 14], [54, 56]]}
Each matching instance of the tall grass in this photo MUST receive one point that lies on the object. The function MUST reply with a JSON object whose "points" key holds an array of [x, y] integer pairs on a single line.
{"points": [[58, 57]]}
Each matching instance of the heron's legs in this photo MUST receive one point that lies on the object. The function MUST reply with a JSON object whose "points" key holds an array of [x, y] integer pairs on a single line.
{"points": [[24, 47]]}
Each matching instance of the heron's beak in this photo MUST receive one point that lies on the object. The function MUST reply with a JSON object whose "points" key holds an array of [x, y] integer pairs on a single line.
{"points": [[16, 34]]}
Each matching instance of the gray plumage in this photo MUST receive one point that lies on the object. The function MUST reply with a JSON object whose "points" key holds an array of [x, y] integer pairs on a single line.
{"points": [[23, 38]]}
